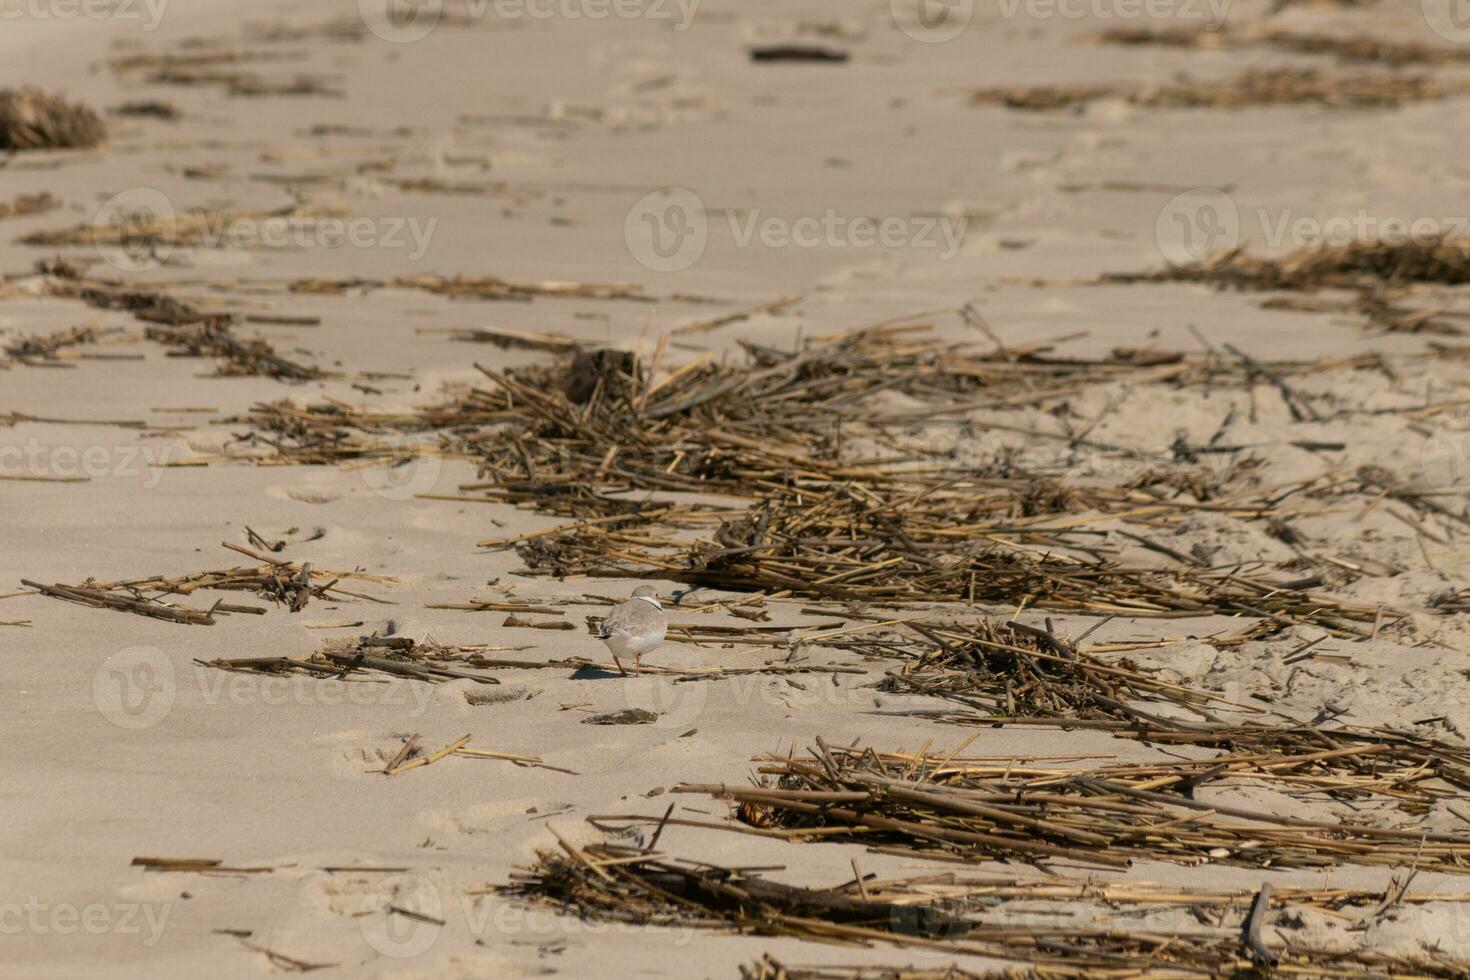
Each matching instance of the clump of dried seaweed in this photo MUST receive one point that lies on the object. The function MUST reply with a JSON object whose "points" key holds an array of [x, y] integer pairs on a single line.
{"points": [[1013, 669], [245, 84], [147, 109], [34, 120], [204, 57], [221, 68], [214, 338], [1355, 265], [1378, 308], [330, 432], [290, 584], [1349, 49], [125, 600], [46, 348], [776, 422], [1164, 37], [147, 305], [479, 287], [704, 426], [140, 230], [1302, 86], [400, 656], [28, 204], [1046, 98], [1360, 48], [1375, 271], [189, 330], [1108, 816], [556, 342], [1283, 86], [607, 882]]}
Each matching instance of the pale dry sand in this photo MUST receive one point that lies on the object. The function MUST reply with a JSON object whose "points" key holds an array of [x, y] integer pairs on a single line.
{"points": [[567, 123]]}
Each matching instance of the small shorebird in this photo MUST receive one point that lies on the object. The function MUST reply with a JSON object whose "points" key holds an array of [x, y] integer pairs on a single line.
{"points": [[635, 627]]}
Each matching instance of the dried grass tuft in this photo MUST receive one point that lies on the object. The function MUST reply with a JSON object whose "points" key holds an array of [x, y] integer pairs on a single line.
{"points": [[34, 120]]}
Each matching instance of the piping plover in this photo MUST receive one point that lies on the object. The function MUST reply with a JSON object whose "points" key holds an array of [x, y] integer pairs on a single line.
{"points": [[635, 627]]}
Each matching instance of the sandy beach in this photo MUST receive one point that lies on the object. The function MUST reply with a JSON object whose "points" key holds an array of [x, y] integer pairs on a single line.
{"points": [[1138, 325]]}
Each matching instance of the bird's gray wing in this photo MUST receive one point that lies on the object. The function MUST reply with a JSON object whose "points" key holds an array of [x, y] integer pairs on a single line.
{"points": [[628, 618]]}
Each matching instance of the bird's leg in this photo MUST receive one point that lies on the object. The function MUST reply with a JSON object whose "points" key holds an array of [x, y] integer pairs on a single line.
{"points": [[621, 669], [638, 665]]}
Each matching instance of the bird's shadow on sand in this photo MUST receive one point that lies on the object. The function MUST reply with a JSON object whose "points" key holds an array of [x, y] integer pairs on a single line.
{"points": [[595, 674]]}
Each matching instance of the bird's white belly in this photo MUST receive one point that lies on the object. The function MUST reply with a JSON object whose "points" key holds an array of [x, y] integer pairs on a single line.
{"points": [[626, 645]]}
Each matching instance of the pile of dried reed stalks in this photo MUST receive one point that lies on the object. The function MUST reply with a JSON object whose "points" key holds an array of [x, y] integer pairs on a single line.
{"points": [[290, 584], [945, 914], [1105, 816], [838, 498], [1356, 265]]}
